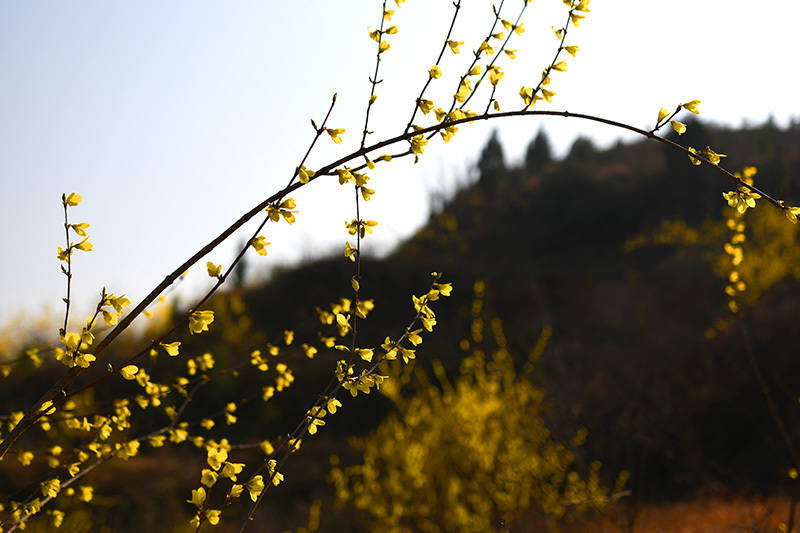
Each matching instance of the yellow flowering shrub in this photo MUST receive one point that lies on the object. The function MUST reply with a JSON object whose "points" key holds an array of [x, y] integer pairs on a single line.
{"points": [[466, 455]]}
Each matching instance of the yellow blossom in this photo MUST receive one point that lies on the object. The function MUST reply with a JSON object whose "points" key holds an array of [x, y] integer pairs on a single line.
{"points": [[212, 515], [425, 105], [198, 497], [85, 493], [679, 127], [73, 199], [454, 46], [692, 106], [171, 347], [213, 270], [335, 133], [418, 143], [255, 486], [129, 372], [51, 487], [80, 229], [495, 75], [199, 321], [304, 174], [84, 245]]}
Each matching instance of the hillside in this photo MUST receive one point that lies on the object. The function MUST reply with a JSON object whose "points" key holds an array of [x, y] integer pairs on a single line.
{"points": [[630, 356]]}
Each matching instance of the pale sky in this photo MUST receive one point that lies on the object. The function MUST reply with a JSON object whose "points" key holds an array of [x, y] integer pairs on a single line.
{"points": [[174, 118]]}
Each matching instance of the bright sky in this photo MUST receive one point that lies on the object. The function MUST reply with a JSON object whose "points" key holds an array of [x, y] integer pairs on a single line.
{"points": [[173, 118]]}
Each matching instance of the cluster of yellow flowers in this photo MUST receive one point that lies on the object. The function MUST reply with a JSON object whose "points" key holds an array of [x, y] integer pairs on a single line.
{"points": [[487, 422]]}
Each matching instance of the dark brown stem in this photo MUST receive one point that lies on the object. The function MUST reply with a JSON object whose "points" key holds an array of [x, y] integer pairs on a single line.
{"points": [[457, 5]]}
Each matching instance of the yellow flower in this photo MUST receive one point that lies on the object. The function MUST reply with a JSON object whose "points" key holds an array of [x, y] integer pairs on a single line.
{"points": [[84, 245], [512, 54], [86, 493], [109, 318], [495, 75], [84, 360], [365, 354], [304, 174], [171, 347], [71, 341], [526, 95], [25, 458], [260, 244], [572, 50], [208, 477], [454, 46], [51, 487], [333, 404], [56, 517], [213, 270], [692, 106], [217, 456], [561, 66], [418, 143], [334, 133], [212, 515], [383, 46], [229, 470], [712, 156], [791, 213], [129, 372], [349, 251], [80, 229], [425, 105], [255, 486], [119, 302], [435, 72], [695, 161], [73, 199], [680, 127], [199, 321]]}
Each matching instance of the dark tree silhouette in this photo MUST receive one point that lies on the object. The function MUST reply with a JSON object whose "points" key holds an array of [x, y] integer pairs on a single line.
{"points": [[491, 165], [539, 152], [582, 150]]}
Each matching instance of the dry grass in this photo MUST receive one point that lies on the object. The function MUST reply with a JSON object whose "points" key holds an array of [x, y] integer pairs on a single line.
{"points": [[701, 515]]}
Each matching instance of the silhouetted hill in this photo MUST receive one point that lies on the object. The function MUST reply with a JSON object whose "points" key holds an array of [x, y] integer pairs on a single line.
{"points": [[628, 356]]}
